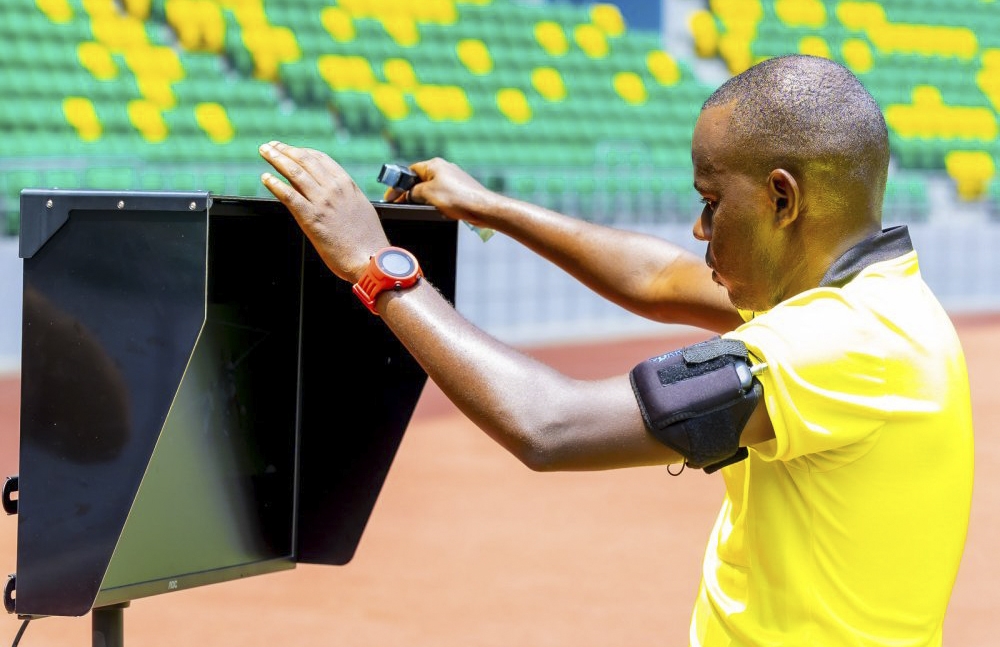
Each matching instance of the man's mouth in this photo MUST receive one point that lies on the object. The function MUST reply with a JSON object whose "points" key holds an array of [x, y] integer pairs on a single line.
{"points": [[711, 266]]}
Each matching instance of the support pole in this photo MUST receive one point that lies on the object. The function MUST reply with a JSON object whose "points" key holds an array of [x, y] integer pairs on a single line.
{"points": [[109, 625]]}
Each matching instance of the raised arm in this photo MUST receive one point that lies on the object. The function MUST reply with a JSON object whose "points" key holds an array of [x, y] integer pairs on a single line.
{"points": [[550, 421], [644, 274]]}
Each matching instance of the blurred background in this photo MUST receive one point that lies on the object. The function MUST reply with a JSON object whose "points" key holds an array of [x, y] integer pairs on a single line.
{"points": [[584, 107]]}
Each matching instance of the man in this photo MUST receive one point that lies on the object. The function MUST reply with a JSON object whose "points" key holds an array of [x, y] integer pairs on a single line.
{"points": [[848, 491]]}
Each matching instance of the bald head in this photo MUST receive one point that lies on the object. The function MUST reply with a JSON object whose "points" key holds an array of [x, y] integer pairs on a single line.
{"points": [[811, 116]]}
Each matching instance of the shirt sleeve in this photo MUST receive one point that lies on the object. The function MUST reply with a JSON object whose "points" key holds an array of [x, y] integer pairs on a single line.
{"points": [[824, 385]]}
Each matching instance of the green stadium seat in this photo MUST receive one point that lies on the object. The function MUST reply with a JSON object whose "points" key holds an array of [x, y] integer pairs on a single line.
{"points": [[111, 178]]}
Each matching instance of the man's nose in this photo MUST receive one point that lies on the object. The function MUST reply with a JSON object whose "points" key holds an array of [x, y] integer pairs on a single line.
{"points": [[699, 229]]}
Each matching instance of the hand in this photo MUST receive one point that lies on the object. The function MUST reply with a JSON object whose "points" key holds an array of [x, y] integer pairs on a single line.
{"points": [[333, 212], [449, 188]]}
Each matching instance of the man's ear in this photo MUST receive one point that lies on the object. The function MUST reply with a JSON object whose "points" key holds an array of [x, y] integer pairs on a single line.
{"points": [[784, 193]]}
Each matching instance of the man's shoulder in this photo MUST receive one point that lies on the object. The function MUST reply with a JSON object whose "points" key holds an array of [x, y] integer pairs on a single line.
{"points": [[881, 316]]}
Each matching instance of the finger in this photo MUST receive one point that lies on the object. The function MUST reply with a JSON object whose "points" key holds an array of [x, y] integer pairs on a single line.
{"points": [[285, 193], [285, 164], [300, 167], [316, 162], [393, 194], [416, 194], [421, 169]]}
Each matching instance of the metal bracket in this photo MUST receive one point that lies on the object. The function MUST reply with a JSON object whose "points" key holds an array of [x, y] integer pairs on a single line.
{"points": [[8, 593], [10, 486], [45, 211]]}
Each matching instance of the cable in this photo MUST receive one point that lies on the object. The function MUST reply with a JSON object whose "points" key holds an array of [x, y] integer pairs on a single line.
{"points": [[20, 632]]}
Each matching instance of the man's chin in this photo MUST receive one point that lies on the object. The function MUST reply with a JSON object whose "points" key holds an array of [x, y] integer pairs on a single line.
{"points": [[748, 305], [740, 302]]}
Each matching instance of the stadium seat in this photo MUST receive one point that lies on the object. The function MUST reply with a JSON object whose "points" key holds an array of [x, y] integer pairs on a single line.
{"points": [[972, 171]]}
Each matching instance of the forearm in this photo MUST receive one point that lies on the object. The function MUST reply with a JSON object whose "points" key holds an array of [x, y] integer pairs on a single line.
{"points": [[644, 274], [546, 419]]}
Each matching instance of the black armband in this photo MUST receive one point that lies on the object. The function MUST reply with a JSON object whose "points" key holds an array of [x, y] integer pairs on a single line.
{"points": [[697, 400]]}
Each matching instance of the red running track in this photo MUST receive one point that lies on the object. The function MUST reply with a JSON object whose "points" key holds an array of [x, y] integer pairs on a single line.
{"points": [[466, 547]]}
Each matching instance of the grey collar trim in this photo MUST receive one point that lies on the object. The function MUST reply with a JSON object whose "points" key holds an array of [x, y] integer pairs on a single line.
{"points": [[887, 244]]}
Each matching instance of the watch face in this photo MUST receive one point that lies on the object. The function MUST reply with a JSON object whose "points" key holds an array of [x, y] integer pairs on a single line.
{"points": [[396, 264]]}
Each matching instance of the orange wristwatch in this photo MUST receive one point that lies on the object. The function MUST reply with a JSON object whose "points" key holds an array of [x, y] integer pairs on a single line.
{"points": [[390, 268]]}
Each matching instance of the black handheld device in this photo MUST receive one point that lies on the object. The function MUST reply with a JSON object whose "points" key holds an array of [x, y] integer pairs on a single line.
{"points": [[397, 177], [403, 179]]}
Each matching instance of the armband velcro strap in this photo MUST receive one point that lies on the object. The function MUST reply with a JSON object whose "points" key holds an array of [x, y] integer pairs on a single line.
{"points": [[697, 400]]}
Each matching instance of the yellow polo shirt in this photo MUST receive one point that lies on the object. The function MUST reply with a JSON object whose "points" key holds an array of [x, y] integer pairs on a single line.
{"points": [[848, 527]]}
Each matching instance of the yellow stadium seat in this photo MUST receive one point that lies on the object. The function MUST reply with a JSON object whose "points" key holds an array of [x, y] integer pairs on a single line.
{"points": [[97, 59], [514, 105], [338, 23], [270, 46], [735, 51], [739, 19], [960, 42], [80, 114], [988, 78], [630, 87], [346, 72], [608, 18], [663, 67], [861, 16], [212, 118], [549, 83], [402, 28], [801, 13], [100, 8], [199, 24], [154, 61], [138, 8], [972, 172], [474, 55], [147, 118], [857, 55], [591, 40], [814, 46], [399, 73], [248, 14], [58, 11], [551, 37], [705, 33], [118, 32], [390, 101], [442, 12], [157, 90]]}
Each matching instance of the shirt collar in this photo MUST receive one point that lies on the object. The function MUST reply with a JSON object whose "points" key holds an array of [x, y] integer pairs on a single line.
{"points": [[887, 244]]}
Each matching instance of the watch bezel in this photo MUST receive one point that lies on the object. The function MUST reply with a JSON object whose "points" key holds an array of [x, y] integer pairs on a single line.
{"points": [[411, 260]]}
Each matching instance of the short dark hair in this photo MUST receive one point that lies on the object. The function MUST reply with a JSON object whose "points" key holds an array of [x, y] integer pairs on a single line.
{"points": [[807, 113]]}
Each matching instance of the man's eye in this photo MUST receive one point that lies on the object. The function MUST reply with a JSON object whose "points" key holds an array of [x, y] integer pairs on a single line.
{"points": [[708, 204]]}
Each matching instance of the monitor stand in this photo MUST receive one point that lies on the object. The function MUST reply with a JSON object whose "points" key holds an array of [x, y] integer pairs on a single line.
{"points": [[109, 625]]}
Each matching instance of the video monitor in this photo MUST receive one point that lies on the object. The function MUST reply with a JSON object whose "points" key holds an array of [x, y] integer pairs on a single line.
{"points": [[201, 398]]}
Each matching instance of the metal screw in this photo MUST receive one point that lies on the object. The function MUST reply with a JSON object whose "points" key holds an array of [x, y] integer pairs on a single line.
{"points": [[49, 204], [121, 204], [193, 206]]}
